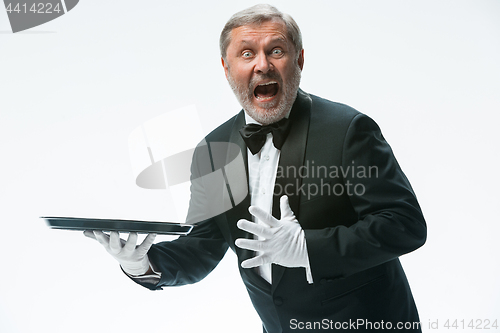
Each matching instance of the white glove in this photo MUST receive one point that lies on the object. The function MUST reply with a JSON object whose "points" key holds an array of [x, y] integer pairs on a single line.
{"points": [[284, 240], [132, 258]]}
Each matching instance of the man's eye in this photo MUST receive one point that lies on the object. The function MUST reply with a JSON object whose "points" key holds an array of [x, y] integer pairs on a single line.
{"points": [[277, 51], [247, 54]]}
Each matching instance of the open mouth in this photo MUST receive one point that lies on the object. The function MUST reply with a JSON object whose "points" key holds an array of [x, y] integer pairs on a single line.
{"points": [[266, 91]]}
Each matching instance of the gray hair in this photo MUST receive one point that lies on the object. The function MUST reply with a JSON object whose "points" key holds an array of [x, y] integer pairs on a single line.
{"points": [[259, 14]]}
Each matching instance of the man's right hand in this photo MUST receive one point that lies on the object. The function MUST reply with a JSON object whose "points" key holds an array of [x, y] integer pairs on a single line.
{"points": [[133, 259]]}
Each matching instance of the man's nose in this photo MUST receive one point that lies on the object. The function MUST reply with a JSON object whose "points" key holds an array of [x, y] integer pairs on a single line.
{"points": [[262, 65]]}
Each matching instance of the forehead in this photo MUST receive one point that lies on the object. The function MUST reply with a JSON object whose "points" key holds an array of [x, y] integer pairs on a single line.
{"points": [[264, 32]]}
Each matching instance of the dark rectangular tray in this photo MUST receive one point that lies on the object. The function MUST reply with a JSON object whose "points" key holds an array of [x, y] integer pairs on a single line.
{"points": [[79, 223]]}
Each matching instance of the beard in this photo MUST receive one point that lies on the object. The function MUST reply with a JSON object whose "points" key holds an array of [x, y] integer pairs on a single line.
{"points": [[274, 110]]}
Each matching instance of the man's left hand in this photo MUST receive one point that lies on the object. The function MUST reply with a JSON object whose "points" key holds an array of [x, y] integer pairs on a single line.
{"points": [[281, 241]]}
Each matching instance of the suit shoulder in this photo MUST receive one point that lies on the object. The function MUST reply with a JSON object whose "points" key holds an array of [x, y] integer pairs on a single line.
{"points": [[333, 112], [337, 120], [326, 105]]}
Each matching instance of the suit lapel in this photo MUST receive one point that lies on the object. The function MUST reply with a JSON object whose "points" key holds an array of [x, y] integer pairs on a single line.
{"points": [[291, 159], [240, 211]]}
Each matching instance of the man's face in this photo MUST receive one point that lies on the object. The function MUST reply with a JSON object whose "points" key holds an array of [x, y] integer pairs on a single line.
{"points": [[263, 70]]}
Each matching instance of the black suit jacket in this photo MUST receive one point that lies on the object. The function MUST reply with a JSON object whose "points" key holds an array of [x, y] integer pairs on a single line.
{"points": [[357, 209]]}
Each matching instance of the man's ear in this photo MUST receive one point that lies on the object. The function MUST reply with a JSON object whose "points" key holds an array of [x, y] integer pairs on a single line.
{"points": [[300, 60], [226, 68]]}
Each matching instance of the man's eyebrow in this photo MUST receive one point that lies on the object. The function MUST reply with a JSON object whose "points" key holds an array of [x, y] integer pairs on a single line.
{"points": [[274, 40], [279, 39]]}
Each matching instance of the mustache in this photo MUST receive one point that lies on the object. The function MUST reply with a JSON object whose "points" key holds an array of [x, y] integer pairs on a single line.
{"points": [[267, 76]]}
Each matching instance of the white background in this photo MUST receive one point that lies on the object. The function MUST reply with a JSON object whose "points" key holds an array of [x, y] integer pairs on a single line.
{"points": [[72, 90]]}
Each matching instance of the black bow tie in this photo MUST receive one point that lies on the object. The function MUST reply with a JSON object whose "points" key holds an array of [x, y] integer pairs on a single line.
{"points": [[255, 135]]}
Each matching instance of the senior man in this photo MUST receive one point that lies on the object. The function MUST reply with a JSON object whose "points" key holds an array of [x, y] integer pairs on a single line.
{"points": [[323, 256]]}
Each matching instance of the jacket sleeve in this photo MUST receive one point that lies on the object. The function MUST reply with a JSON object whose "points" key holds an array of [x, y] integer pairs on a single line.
{"points": [[190, 258], [389, 220]]}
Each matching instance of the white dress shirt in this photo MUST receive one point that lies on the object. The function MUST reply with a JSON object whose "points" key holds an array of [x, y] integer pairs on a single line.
{"points": [[262, 169]]}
